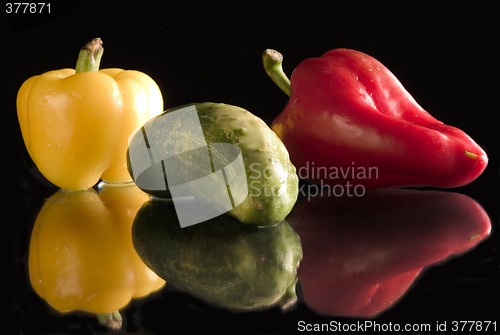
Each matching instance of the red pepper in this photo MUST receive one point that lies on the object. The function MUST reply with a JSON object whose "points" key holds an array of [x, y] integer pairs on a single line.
{"points": [[361, 255], [350, 120]]}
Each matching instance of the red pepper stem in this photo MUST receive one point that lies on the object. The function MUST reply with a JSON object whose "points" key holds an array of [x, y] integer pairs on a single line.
{"points": [[89, 57], [273, 64], [111, 320]]}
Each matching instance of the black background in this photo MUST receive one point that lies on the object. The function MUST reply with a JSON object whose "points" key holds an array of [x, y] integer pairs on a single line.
{"points": [[445, 53]]}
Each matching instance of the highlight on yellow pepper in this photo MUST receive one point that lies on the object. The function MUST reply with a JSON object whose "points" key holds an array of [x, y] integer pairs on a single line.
{"points": [[75, 123], [81, 256]]}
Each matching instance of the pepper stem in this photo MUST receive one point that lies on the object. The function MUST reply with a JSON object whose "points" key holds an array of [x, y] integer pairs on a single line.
{"points": [[111, 320], [89, 57], [289, 299], [273, 64]]}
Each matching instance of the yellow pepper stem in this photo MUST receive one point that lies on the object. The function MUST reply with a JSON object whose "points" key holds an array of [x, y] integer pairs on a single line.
{"points": [[89, 57], [111, 320]]}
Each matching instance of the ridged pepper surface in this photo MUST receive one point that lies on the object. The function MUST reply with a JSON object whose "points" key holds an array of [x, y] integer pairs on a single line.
{"points": [[75, 123], [350, 120]]}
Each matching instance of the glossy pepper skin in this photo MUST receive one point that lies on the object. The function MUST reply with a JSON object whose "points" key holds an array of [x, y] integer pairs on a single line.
{"points": [[347, 111], [362, 254], [75, 123], [81, 256]]}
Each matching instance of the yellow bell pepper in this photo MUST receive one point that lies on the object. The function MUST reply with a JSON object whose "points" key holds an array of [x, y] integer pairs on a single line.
{"points": [[75, 123], [81, 256]]}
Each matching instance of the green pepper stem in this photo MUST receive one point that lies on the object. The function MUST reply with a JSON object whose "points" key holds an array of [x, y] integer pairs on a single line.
{"points": [[111, 320], [89, 57], [289, 299], [273, 64]]}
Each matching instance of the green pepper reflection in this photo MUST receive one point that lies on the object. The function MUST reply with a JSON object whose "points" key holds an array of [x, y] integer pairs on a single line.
{"points": [[220, 261]]}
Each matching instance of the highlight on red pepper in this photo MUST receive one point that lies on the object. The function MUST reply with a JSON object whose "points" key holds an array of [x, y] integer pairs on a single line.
{"points": [[362, 254], [75, 123], [349, 120], [81, 256]]}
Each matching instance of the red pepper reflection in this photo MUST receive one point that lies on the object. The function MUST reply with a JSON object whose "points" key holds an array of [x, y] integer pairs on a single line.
{"points": [[362, 254]]}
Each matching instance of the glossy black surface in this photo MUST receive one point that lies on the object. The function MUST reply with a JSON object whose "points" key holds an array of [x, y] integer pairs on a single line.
{"points": [[445, 54]]}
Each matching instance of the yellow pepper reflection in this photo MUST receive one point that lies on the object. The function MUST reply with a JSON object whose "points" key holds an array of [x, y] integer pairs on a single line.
{"points": [[81, 256]]}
